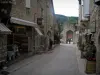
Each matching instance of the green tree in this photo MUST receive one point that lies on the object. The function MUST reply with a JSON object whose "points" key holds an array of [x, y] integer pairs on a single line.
{"points": [[73, 20], [61, 19]]}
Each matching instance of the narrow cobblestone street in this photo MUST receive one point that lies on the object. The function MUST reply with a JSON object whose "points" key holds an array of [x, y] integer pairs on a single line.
{"points": [[61, 61]]}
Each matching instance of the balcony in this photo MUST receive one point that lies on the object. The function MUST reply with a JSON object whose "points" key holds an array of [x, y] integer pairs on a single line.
{"points": [[97, 2], [39, 21]]}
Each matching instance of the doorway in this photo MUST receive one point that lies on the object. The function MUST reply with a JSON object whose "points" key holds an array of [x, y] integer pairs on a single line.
{"points": [[69, 36]]}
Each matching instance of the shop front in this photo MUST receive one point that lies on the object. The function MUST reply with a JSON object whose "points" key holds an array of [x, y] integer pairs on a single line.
{"points": [[23, 35]]}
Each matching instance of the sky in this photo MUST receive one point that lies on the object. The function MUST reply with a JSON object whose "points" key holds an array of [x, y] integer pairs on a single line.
{"points": [[66, 7]]}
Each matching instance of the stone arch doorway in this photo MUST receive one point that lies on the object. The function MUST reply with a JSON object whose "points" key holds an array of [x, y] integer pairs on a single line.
{"points": [[69, 36]]}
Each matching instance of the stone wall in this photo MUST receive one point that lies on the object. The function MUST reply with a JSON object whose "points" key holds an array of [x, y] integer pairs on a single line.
{"points": [[39, 9], [95, 17], [97, 39], [68, 27], [48, 19], [20, 11]]}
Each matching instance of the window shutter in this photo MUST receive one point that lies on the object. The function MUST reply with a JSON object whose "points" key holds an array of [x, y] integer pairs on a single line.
{"points": [[28, 4]]}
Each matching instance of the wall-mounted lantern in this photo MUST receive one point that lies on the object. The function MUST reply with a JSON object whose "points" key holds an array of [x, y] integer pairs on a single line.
{"points": [[39, 21]]}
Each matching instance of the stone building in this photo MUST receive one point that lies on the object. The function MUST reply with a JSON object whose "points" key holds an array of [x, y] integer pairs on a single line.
{"points": [[69, 33], [48, 19], [94, 27], [32, 24], [83, 22], [23, 25]]}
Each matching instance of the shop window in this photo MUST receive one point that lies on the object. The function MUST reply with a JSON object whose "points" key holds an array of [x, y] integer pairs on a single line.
{"points": [[39, 21], [20, 30]]}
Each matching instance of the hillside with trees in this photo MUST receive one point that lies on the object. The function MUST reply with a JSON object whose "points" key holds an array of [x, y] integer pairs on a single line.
{"points": [[61, 19]]}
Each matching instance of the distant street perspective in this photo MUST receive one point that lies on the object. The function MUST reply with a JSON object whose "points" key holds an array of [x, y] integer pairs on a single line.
{"points": [[61, 61]]}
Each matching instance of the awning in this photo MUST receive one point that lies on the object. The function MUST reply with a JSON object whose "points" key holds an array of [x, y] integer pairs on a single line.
{"points": [[22, 22], [4, 29], [26, 23], [38, 31]]}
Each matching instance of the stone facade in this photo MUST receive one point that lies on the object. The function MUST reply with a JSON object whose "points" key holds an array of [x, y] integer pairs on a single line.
{"points": [[95, 17], [39, 9], [69, 27], [48, 16], [94, 27], [19, 10]]}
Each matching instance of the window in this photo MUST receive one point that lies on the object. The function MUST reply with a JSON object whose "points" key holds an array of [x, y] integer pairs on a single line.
{"points": [[28, 4], [20, 29], [39, 21], [27, 11]]}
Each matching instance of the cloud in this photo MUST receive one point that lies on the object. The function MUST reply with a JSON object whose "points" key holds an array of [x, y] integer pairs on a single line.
{"points": [[66, 7]]}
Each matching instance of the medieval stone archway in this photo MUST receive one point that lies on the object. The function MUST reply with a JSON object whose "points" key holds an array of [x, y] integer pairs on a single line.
{"points": [[69, 36]]}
